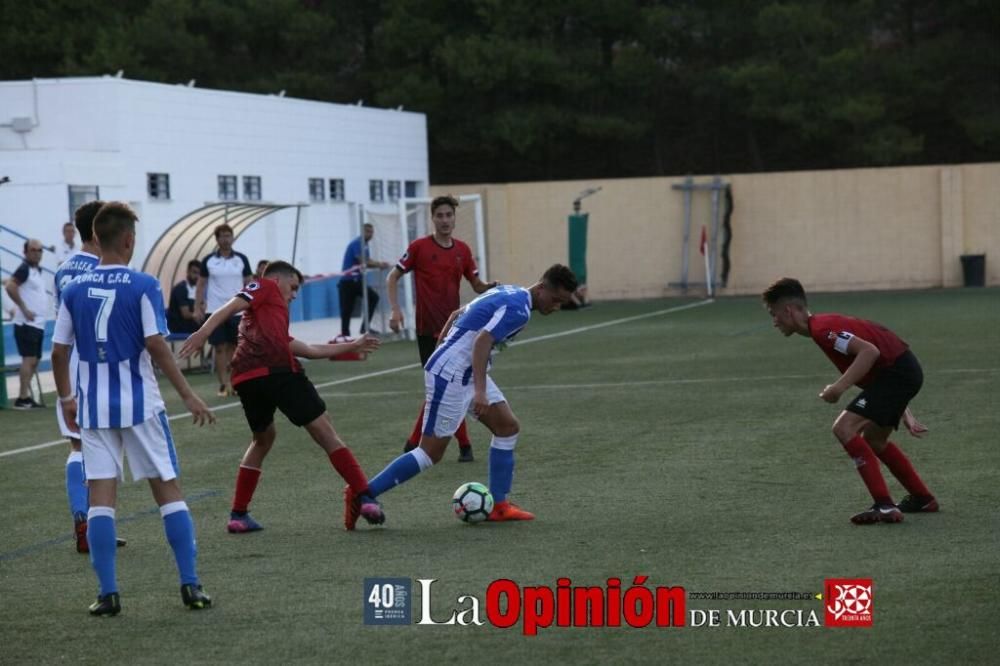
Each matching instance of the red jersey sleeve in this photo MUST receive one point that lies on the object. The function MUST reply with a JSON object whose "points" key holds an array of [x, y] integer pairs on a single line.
{"points": [[833, 333], [409, 258], [257, 292], [471, 270]]}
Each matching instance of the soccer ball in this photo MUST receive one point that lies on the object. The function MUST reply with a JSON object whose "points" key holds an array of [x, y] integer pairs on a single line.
{"points": [[472, 502]]}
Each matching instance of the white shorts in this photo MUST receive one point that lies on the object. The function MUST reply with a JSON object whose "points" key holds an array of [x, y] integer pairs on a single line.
{"points": [[448, 401], [149, 447], [74, 364]]}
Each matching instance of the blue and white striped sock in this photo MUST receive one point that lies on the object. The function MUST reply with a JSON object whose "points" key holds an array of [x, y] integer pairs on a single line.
{"points": [[501, 466], [179, 527], [102, 538], [400, 470], [76, 485]]}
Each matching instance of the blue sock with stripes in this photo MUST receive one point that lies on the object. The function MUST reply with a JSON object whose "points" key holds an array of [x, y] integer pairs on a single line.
{"points": [[102, 537], [76, 485], [179, 527], [400, 470]]}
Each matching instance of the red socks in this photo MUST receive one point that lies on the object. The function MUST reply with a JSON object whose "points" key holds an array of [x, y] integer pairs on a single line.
{"points": [[868, 468], [246, 484], [462, 434], [902, 469], [347, 466], [418, 427]]}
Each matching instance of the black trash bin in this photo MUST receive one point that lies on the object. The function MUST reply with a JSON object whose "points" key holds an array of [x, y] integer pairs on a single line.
{"points": [[974, 270]]}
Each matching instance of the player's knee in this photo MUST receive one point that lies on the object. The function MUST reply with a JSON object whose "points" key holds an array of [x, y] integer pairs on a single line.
{"points": [[508, 428], [877, 444], [842, 431], [264, 440]]}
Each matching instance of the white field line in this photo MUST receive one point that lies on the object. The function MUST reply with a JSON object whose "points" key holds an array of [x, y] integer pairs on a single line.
{"points": [[401, 368]]}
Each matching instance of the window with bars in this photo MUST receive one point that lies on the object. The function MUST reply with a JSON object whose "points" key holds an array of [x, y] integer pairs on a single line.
{"points": [[227, 188], [251, 188], [81, 194], [393, 189], [336, 189], [158, 185], [317, 193]]}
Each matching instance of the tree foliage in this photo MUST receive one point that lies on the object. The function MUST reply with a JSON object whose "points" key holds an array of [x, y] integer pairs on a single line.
{"points": [[525, 90]]}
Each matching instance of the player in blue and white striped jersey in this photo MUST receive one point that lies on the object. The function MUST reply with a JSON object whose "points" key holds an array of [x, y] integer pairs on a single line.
{"points": [[78, 263], [456, 381], [115, 317]]}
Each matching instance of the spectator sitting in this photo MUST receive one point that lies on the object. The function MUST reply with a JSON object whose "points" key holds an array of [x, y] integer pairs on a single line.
{"points": [[180, 314]]}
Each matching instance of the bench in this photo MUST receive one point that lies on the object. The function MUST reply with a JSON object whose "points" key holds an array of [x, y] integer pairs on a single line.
{"points": [[205, 360]]}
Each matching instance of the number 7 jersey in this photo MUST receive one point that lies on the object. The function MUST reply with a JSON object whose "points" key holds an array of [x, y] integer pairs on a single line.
{"points": [[108, 313]]}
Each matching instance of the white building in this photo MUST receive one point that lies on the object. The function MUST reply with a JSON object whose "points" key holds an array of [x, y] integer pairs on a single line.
{"points": [[170, 149]]}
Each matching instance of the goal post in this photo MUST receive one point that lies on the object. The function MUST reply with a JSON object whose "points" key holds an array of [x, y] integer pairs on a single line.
{"points": [[411, 219]]}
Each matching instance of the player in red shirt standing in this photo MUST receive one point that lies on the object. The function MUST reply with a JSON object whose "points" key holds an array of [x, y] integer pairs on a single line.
{"points": [[267, 376], [873, 358], [438, 262]]}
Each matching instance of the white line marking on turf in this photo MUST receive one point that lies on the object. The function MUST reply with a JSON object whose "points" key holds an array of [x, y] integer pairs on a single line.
{"points": [[401, 368], [572, 331]]}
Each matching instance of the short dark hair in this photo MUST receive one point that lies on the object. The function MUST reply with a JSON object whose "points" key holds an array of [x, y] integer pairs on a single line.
{"points": [[68, 224], [560, 276], [112, 221], [283, 268], [221, 229], [444, 200], [84, 217], [195, 263], [784, 289]]}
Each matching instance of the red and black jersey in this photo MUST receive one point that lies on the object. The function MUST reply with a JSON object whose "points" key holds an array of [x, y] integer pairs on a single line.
{"points": [[833, 332], [437, 273], [263, 347]]}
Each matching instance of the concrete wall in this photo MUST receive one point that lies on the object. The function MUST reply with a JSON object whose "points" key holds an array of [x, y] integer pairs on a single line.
{"points": [[894, 228], [111, 132]]}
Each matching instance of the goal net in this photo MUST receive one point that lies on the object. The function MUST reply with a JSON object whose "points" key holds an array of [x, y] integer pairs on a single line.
{"points": [[395, 230]]}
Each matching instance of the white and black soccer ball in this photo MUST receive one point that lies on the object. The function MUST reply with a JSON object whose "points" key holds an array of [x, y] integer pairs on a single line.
{"points": [[472, 502]]}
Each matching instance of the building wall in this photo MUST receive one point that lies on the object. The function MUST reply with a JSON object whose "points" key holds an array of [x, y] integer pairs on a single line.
{"points": [[893, 228], [111, 132]]}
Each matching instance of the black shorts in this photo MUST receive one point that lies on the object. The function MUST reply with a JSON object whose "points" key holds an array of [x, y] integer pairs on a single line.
{"points": [[227, 333], [29, 340], [291, 392], [885, 399], [426, 344]]}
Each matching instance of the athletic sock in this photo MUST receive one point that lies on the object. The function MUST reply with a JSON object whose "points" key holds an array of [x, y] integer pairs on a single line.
{"points": [[179, 528], [76, 485], [902, 469], [246, 484], [462, 435], [102, 537], [418, 428], [868, 467], [400, 470], [347, 466], [501, 466]]}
